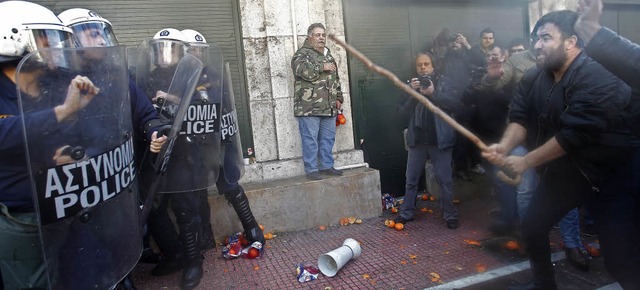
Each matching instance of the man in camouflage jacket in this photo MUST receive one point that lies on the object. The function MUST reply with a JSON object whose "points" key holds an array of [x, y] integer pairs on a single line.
{"points": [[317, 99]]}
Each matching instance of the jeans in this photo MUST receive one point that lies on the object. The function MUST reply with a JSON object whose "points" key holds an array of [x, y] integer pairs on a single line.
{"points": [[318, 135], [416, 161], [527, 186], [570, 229]]}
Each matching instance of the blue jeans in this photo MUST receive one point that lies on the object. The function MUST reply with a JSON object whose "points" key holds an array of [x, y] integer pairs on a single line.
{"points": [[570, 229], [527, 186], [318, 135]]}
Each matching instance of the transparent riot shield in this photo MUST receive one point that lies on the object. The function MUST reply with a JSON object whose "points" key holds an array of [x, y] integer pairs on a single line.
{"points": [[195, 157], [229, 131], [80, 156]]}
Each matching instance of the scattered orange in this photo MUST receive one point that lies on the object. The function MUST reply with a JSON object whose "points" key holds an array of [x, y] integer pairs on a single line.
{"points": [[425, 197], [358, 221], [351, 219], [344, 221], [424, 209], [432, 198], [481, 268], [511, 245], [390, 223], [253, 253], [322, 228], [261, 227], [394, 210], [398, 226], [268, 236], [455, 201]]}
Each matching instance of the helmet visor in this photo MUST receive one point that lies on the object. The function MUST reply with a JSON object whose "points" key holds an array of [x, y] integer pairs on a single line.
{"points": [[93, 34], [167, 53], [39, 39], [199, 50]]}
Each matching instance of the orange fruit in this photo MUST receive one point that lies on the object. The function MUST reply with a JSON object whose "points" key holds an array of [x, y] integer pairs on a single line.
{"points": [[432, 198], [398, 226], [253, 253], [322, 228], [344, 221], [394, 210], [511, 245], [351, 219], [425, 197], [268, 236], [390, 223], [358, 221]]}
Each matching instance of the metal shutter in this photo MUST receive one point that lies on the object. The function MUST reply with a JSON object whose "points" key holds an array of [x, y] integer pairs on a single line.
{"points": [[136, 20]]}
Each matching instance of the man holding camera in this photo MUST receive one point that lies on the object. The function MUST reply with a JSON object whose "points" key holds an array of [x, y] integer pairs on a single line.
{"points": [[429, 136]]}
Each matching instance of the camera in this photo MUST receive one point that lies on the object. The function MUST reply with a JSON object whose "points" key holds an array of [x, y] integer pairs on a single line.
{"points": [[453, 38], [425, 81]]}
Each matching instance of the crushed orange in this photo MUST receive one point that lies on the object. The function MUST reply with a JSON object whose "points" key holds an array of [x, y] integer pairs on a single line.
{"points": [[390, 223], [268, 236]]}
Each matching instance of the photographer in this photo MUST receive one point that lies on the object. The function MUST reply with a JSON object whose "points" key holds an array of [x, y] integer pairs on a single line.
{"points": [[429, 137]]}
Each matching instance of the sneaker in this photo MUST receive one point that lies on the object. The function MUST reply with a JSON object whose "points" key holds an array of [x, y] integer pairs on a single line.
{"points": [[478, 169], [402, 220], [453, 224], [578, 257], [314, 175], [332, 171]]}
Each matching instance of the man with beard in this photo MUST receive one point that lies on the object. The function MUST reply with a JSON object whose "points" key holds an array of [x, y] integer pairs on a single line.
{"points": [[567, 112]]}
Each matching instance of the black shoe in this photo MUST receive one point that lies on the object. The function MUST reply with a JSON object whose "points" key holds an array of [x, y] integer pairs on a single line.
{"points": [[191, 276], [255, 235], [589, 231], [332, 171], [551, 285], [402, 220], [462, 175], [578, 257], [453, 224], [501, 229], [314, 176], [167, 266]]}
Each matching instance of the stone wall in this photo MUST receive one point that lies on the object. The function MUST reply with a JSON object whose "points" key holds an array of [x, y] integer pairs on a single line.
{"points": [[268, 42]]}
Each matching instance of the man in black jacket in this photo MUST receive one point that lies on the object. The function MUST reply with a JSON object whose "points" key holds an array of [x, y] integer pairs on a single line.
{"points": [[567, 112]]}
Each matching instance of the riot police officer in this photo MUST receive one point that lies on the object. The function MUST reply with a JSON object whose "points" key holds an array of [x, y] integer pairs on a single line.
{"points": [[92, 30], [232, 164]]}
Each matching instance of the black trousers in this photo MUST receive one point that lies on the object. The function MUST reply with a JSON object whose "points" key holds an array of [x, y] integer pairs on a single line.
{"points": [[615, 211]]}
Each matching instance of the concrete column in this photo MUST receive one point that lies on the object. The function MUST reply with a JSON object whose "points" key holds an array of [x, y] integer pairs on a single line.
{"points": [[268, 49]]}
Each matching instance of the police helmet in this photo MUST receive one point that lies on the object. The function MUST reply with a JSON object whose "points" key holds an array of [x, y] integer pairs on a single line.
{"points": [[168, 47], [26, 27], [89, 28]]}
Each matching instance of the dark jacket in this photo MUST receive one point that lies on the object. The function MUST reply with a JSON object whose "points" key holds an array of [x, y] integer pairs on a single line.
{"points": [[582, 112], [622, 58], [492, 108], [15, 188], [424, 127]]}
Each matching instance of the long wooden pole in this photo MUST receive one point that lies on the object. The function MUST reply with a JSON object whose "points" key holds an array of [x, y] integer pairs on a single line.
{"points": [[422, 99]]}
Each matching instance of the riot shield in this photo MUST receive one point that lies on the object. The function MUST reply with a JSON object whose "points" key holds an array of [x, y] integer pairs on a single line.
{"points": [[82, 164], [229, 129], [195, 159]]}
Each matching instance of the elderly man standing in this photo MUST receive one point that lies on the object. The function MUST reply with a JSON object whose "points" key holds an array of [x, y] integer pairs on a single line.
{"points": [[317, 99]]}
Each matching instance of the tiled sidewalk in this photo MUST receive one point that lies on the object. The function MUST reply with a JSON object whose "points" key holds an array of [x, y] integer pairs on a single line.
{"points": [[390, 259]]}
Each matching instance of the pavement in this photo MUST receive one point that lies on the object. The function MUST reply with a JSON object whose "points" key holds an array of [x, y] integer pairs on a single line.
{"points": [[424, 255]]}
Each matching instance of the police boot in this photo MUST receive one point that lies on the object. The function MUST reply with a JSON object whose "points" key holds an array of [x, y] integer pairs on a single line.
{"points": [[192, 271], [208, 241], [240, 203]]}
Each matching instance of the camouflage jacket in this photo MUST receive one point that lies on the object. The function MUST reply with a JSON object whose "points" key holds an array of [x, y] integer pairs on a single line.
{"points": [[315, 90]]}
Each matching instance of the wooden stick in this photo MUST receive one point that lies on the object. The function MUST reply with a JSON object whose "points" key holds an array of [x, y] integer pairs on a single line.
{"points": [[422, 99]]}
